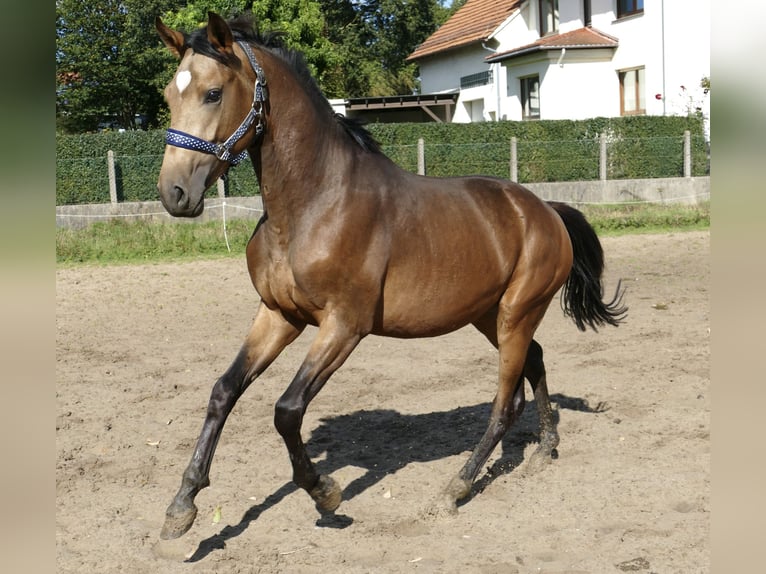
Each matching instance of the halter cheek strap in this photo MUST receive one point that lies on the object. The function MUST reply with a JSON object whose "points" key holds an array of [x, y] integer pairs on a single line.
{"points": [[222, 151]]}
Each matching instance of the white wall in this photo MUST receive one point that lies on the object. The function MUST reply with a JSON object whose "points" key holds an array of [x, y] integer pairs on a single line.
{"points": [[581, 86], [679, 57], [687, 47], [519, 29], [586, 84], [570, 15], [443, 74]]}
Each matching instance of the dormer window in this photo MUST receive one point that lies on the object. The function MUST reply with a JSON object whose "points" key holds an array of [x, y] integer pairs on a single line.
{"points": [[549, 16], [629, 7]]}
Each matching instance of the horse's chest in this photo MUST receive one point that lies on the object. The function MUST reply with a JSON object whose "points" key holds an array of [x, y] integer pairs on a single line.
{"points": [[274, 280]]}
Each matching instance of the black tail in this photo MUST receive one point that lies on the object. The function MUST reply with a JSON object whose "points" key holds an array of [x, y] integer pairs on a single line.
{"points": [[582, 295]]}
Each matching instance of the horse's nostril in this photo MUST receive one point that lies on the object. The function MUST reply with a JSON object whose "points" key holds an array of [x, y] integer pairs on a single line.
{"points": [[181, 197]]}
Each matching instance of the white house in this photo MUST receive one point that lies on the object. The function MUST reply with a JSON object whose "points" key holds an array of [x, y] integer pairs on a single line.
{"points": [[569, 59]]}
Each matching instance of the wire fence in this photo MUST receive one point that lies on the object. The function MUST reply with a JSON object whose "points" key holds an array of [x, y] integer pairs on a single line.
{"points": [[132, 178]]}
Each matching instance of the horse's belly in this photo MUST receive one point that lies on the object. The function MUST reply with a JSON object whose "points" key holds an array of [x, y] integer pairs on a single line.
{"points": [[430, 310]]}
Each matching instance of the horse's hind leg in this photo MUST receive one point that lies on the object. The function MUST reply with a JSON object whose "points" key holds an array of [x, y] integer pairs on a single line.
{"points": [[269, 334], [516, 325], [534, 371]]}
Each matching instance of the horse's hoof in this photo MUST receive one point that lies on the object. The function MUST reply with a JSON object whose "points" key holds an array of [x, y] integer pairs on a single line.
{"points": [[326, 494], [537, 462], [178, 521], [457, 489], [539, 459], [177, 550], [443, 507]]}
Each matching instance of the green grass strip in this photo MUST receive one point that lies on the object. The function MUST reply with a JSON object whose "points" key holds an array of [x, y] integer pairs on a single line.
{"points": [[124, 242]]}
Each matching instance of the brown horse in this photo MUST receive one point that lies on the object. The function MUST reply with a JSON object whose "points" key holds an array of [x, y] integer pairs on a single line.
{"points": [[353, 244]]}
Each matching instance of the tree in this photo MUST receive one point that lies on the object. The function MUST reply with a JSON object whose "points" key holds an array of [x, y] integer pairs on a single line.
{"points": [[345, 28], [375, 37], [353, 47], [397, 28], [109, 62], [111, 65], [301, 21]]}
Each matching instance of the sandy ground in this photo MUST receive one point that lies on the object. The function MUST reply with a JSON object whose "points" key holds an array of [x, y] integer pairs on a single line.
{"points": [[139, 347]]}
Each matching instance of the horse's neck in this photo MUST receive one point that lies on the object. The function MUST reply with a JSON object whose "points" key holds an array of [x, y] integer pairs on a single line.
{"points": [[298, 166], [306, 161]]}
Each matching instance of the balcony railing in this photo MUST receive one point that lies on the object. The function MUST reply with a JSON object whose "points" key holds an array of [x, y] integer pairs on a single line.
{"points": [[475, 80]]}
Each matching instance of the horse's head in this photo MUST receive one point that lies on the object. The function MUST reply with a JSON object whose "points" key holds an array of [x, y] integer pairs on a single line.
{"points": [[215, 99]]}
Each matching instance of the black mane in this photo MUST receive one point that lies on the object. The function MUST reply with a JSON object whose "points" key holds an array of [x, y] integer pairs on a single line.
{"points": [[245, 30]]}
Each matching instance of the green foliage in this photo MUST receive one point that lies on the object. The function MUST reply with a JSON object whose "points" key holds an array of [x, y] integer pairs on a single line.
{"points": [[301, 21], [645, 147], [120, 241], [621, 218], [109, 63], [395, 28], [82, 174], [81, 166], [551, 150]]}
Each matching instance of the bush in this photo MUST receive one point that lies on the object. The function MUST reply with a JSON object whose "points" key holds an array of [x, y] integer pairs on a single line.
{"points": [[551, 150]]}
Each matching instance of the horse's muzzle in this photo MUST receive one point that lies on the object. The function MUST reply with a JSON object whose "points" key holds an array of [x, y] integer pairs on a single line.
{"points": [[179, 202]]}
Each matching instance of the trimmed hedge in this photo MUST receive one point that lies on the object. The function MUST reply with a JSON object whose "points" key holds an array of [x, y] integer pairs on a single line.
{"points": [[551, 150]]}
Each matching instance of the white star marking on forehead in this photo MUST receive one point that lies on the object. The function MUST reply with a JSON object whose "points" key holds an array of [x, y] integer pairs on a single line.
{"points": [[183, 79]]}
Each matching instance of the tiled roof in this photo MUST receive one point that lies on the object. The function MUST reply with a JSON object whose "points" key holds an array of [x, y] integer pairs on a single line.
{"points": [[576, 39], [473, 22]]}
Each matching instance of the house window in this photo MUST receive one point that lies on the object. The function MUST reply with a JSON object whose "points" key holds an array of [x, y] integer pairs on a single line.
{"points": [[549, 16], [629, 7], [530, 98], [632, 101], [474, 80]]}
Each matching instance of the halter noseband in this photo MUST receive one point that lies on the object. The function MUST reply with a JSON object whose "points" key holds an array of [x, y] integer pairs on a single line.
{"points": [[223, 150]]}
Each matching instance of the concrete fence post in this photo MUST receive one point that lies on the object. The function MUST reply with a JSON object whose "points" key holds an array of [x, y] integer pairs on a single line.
{"points": [[514, 160], [602, 157], [421, 156], [112, 176], [687, 153], [221, 187]]}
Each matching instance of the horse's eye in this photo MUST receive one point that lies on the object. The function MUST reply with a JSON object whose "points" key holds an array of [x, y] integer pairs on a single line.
{"points": [[213, 96]]}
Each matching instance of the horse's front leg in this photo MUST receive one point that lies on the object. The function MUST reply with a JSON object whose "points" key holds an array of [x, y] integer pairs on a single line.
{"points": [[333, 344], [268, 336]]}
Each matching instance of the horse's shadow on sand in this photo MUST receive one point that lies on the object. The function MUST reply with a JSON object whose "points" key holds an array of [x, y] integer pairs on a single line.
{"points": [[385, 441]]}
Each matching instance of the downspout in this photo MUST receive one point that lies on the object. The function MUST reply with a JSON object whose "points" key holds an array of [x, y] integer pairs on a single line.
{"points": [[561, 57], [664, 111], [515, 14], [496, 72]]}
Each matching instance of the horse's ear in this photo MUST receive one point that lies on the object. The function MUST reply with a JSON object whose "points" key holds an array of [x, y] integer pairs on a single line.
{"points": [[173, 39], [220, 36]]}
